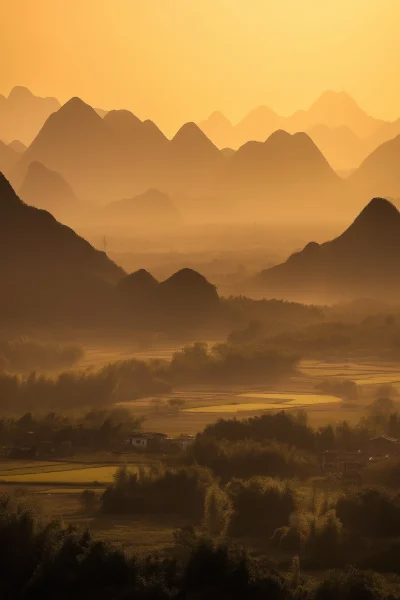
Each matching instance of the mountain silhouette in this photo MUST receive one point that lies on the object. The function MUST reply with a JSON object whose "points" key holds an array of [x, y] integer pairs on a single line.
{"points": [[47, 189], [8, 157], [379, 172], [152, 208], [184, 298], [18, 146], [285, 167], [139, 151], [218, 129], [48, 271], [192, 161], [364, 261], [333, 109], [342, 148], [22, 114], [336, 109], [75, 142]]}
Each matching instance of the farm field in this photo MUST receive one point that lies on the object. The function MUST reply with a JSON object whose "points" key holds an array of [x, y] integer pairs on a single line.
{"points": [[140, 535], [205, 404]]}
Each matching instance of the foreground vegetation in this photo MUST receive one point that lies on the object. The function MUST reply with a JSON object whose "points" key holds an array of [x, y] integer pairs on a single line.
{"points": [[25, 355], [51, 561]]}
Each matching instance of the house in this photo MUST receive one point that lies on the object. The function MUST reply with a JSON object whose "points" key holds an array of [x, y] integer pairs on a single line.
{"points": [[182, 443], [383, 445], [336, 460], [145, 441]]}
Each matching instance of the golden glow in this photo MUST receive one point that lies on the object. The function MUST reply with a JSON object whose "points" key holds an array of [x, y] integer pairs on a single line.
{"points": [[179, 60]]}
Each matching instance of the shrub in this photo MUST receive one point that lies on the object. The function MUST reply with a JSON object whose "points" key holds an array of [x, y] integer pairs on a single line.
{"points": [[282, 427], [88, 500], [244, 459], [259, 506], [158, 490], [24, 355], [216, 510], [351, 585], [370, 511]]}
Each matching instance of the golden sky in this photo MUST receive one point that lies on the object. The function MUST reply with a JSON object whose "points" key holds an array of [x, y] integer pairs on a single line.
{"points": [[179, 60]]}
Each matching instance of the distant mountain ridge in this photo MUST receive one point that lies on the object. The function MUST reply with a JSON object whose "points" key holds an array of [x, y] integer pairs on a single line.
{"points": [[332, 109], [151, 208], [48, 190], [364, 261], [22, 114]]}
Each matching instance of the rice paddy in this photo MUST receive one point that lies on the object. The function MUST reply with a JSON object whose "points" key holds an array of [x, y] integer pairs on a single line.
{"points": [[282, 401], [77, 476]]}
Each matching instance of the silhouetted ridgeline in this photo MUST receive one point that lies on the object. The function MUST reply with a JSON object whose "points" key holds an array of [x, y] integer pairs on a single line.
{"points": [[47, 189], [362, 262], [50, 274]]}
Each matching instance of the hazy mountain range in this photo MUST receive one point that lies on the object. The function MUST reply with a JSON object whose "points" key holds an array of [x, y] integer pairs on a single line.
{"points": [[341, 129], [364, 261], [343, 132], [105, 159], [22, 114]]}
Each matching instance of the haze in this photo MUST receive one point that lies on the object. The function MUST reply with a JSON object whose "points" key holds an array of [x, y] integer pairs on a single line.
{"points": [[178, 60], [200, 300]]}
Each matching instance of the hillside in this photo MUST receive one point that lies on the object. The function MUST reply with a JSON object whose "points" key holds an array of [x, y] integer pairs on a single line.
{"points": [[22, 114], [379, 172], [331, 109], [48, 190], [152, 208], [49, 272], [362, 262]]}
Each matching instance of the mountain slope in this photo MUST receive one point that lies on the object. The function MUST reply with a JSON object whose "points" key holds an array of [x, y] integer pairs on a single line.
{"points": [[22, 114], [48, 190], [342, 148], [48, 271], [286, 172], [380, 171], [332, 109], [8, 157], [362, 262], [74, 142], [152, 208]]}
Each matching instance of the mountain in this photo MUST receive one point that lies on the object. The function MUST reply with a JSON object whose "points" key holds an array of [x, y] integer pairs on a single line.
{"points": [[218, 129], [152, 208], [258, 125], [192, 162], [342, 148], [18, 146], [47, 189], [362, 262], [186, 298], [286, 172], [386, 132], [74, 141], [102, 158], [140, 151], [333, 109], [380, 171], [48, 272], [8, 157], [22, 114]]}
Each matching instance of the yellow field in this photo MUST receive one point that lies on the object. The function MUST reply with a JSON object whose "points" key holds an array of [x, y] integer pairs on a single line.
{"points": [[88, 475]]}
